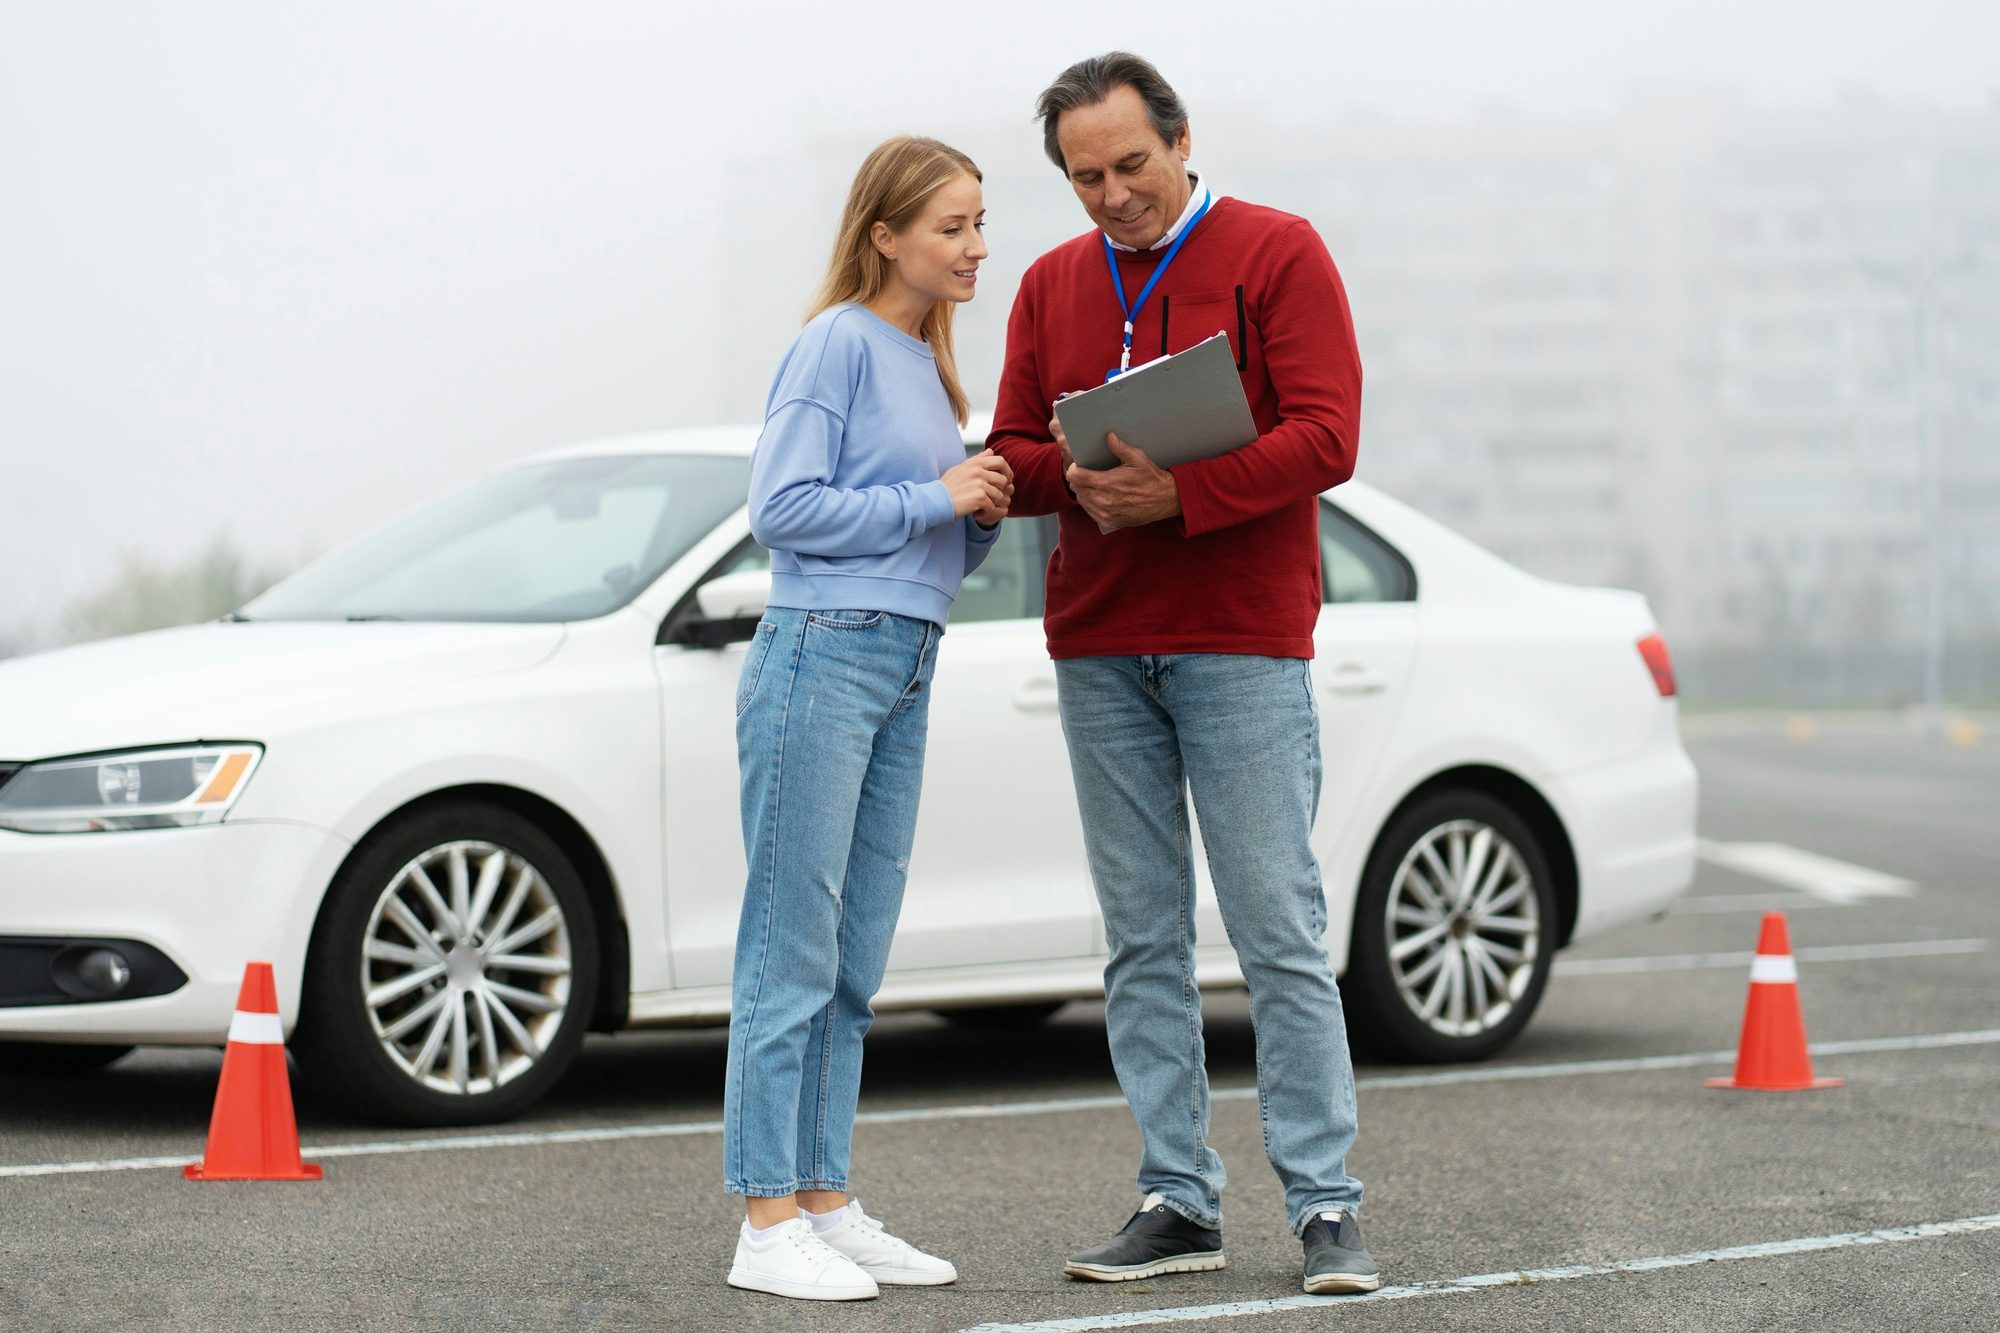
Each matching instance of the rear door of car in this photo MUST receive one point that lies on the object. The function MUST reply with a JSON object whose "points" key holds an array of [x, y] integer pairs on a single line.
{"points": [[1365, 645]]}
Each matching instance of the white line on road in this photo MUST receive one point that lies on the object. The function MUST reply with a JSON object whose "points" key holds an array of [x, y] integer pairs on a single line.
{"points": [[985, 1110], [1516, 1278], [1745, 902], [1829, 953], [1808, 872], [1646, 1063]]}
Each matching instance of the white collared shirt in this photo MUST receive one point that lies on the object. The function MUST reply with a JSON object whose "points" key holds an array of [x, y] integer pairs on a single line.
{"points": [[1195, 197]]}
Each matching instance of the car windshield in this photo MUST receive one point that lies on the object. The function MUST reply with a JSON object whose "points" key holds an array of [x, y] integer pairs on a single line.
{"points": [[565, 540]]}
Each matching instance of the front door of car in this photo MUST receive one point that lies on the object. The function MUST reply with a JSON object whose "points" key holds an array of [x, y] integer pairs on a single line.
{"points": [[998, 874], [701, 828], [1364, 646]]}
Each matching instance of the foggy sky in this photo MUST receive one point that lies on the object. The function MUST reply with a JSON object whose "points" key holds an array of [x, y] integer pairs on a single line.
{"points": [[278, 271]]}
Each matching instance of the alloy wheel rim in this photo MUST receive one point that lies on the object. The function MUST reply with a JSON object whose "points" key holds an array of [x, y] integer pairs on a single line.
{"points": [[1464, 928], [466, 967]]}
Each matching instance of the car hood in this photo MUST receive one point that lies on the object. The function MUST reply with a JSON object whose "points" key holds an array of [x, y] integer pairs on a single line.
{"points": [[235, 681]]}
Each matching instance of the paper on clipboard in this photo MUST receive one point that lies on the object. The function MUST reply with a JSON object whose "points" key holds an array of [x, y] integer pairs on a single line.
{"points": [[1177, 409]]}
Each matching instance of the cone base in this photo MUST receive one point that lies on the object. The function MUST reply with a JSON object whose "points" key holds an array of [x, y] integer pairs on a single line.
{"points": [[1807, 1086], [195, 1171]]}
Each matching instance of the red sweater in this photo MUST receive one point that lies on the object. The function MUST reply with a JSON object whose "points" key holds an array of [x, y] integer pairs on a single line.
{"points": [[1239, 570]]}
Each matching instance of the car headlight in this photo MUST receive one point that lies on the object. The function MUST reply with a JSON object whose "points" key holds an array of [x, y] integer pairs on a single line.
{"points": [[167, 787]]}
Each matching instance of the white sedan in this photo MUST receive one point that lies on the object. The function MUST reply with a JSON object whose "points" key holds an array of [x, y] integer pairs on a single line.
{"points": [[470, 784]]}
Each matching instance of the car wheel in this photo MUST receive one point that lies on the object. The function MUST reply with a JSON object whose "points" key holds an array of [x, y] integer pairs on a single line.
{"points": [[1002, 1017], [31, 1058], [453, 970], [1454, 931]]}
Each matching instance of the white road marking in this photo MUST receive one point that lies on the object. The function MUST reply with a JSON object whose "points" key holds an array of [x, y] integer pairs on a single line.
{"points": [[1459, 1286], [1829, 953], [1745, 902], [991, 1110], [1647, 1063], [1808, 872]]}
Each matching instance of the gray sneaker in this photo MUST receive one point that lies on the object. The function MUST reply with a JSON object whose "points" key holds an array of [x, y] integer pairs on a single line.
{"points": [[1157, 1240], [1337, 1260]]}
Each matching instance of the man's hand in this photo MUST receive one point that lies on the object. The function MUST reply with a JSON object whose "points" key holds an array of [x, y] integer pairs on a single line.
{"points": [[1062, 442], [1130, 495]]}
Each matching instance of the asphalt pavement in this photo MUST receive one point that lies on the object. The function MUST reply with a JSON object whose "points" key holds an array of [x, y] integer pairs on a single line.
{"points": [[1585, 1178]]}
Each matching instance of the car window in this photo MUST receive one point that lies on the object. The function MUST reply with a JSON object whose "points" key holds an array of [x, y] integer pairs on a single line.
{"points": [[568, 539], [1008, 584], [1358, 566], [745, 559]]}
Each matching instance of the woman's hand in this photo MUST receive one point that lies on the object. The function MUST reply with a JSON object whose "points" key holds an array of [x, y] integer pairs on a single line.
{"points": [[990, 516], [981, 483]]}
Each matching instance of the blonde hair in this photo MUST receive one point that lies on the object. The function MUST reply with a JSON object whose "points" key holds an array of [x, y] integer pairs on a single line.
{"points": [[891, 188]]}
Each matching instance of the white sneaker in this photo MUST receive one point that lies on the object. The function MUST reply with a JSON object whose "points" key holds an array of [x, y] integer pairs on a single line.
{"points": [[890, 1261], [798, 1264]]}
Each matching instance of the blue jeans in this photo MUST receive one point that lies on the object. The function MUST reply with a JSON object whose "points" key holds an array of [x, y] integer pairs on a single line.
{"points": [[830, 720], [1241, 733]]}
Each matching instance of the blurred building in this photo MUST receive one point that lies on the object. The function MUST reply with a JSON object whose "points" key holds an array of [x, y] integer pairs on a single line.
{"points": [[1696, 349]]}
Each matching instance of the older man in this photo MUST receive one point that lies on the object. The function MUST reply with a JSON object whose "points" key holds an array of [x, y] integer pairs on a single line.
{"points": [[1181, 605]]}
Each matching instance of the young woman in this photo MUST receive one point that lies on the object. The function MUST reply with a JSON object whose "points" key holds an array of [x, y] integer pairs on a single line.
{"points": [[862, 491]]}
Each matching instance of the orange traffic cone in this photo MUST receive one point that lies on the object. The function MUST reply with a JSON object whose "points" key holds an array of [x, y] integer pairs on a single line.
{"points": [[252, 1135], [1772, 1056]]}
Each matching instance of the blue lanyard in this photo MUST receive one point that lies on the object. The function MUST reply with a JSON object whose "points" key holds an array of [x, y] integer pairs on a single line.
{"points": [[1159, 271]]}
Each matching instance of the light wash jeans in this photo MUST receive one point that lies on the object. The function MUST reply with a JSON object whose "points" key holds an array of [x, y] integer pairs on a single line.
{"points": [[1241, 733], [830, 720]]}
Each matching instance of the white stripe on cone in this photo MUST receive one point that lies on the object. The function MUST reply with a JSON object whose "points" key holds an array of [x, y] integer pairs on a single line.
{"points": [[257, 1029], [1773, 967]]}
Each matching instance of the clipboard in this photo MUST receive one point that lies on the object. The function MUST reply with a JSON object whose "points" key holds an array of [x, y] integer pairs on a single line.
{"points": [[1178, 409]]}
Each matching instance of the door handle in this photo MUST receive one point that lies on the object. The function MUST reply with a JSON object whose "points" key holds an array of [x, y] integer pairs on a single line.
{"points": [[1037, 695], [1355, 678]]}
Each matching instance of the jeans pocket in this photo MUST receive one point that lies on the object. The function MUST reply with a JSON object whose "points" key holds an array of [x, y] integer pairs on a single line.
{"points": [[753, 664], [845, 619]]}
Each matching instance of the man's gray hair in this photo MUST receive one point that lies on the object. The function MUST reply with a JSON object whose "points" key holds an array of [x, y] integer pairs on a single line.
{"points": [[1088, 82]]}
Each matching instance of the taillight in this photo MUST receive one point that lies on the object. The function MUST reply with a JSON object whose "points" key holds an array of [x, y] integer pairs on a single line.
{"points": [[1653, 648]]}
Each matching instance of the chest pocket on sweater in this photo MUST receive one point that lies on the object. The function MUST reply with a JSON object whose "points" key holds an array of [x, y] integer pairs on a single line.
{"points": [[1188, 319]]}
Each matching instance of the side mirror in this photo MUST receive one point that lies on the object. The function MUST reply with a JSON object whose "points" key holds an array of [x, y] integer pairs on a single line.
{"points": [[727, 609], [735, 596]]}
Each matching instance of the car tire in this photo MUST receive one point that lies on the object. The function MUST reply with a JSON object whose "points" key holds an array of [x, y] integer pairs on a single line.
{"points": [[57, 1059], [410, 1015], [1002, 1017], [1415, 926]]}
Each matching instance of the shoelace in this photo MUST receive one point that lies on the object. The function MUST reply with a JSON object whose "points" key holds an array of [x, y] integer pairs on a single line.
{"points": [[874, 1228], [815, 1250]]}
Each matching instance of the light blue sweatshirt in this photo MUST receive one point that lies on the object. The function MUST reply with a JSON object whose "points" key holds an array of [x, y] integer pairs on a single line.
{"points": [[844, 487]]}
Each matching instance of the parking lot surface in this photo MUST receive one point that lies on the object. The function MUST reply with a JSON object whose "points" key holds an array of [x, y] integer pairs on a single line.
{"points": [[1585, 1178]]}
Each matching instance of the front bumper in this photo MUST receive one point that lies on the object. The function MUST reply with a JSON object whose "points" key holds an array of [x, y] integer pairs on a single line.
{"points": [[211, 899]]}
